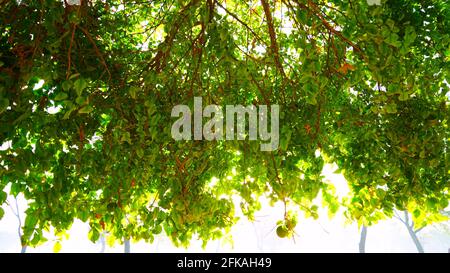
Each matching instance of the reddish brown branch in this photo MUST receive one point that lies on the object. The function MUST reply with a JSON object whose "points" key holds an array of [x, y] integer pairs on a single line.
{"points": [[261, 90], [97, 51], [159, 61], [241, 22], [273, 36], [69, 53], [317, 12]]}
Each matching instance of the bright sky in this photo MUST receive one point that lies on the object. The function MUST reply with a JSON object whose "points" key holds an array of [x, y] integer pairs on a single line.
{"points": [[323, 235]]}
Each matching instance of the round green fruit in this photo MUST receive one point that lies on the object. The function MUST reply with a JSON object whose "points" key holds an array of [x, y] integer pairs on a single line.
{"points": [[282, 231]]}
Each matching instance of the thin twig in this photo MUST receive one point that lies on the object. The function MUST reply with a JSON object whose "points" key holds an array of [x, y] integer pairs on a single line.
{"points": [[97, 51], [314, 9], [240, 21]]}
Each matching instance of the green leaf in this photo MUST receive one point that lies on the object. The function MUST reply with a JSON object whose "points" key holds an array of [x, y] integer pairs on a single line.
{"points": [[80, 85], [443, 203], [111, 240], [30, 221], [83, 214], [403, 96], [86, 109], [4, 103], [157, 229], [61, 96], [73, 18], [390, 23], [285, 140], [133, 91], [15, 189], [93, 235], [140, 153], [391, 108], [447, 53], [431, 203], [3, 196], [57, 247], [2, 212], [311, 99], [36, 239], [66, 85], [68, 112], [80, 100], [126, 137], [74, 76]]}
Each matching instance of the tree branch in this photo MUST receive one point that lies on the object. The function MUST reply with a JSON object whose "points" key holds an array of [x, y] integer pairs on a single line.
{"points": [[316, 11], [159, 61], [406, 218], [273, 37], [240, 21], [398, 217], [97, 51], [419, 229]]}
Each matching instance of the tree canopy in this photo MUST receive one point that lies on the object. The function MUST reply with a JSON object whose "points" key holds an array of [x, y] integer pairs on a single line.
{"points": [[86, 93]]}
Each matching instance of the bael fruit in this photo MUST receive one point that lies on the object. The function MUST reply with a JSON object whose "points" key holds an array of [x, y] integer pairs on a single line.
{"points": [[282, 231]]}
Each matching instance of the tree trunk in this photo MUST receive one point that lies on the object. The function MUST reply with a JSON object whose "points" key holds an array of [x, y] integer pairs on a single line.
{"points": [[412, 233], [362, 241], [102, 241], [415, 240], [127, 246], [19, 229]]}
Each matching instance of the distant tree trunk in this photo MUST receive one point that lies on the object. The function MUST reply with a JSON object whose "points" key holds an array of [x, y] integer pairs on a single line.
{"points": [[102, 241], [415, 240], [127, 246], [413, 233], [362, 241], [16, 212]]}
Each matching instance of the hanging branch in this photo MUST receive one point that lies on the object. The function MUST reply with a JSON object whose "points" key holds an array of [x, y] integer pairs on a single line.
{"points": [[317, 12], [273, 37], [69, 53], [97, 51], [159, 61], [261, 90], [240, 21]]}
